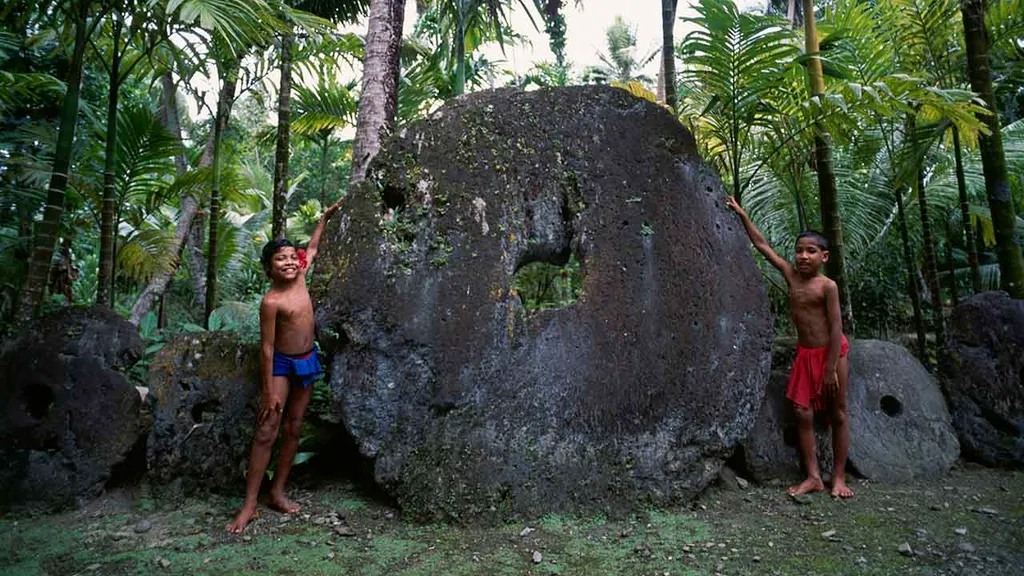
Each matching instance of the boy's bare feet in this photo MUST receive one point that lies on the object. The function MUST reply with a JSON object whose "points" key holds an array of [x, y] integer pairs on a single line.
{"points": [[806, 487], [245, 515], [840, 489], [282, 504]]}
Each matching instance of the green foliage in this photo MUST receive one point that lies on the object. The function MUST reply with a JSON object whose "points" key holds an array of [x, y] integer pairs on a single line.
{"points": [[542, 285]]}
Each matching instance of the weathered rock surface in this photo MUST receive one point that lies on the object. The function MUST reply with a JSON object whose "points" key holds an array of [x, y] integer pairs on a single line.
{"points": [[983, 372], [899, 425], [205, 389], [470, 406], [67, 413]]}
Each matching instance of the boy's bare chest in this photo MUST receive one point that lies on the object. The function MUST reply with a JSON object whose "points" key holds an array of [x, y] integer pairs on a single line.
{"points": [[295, 307], [806, 296]]}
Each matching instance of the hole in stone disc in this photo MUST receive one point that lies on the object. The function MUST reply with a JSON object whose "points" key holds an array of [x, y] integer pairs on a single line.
{"points": [[890, 405], [205, 411], [38, 401], [543, 285]]}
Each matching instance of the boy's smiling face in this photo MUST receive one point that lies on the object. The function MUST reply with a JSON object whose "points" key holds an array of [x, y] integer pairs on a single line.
{"points": [[809, 257], [284, 266]]}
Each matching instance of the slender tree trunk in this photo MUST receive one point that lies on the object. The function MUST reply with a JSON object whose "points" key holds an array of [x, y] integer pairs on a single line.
{"points": [[827, 193], [188, 223], [323, 171], [48, 230], [931, 267], [379, 100], [460, 51], [280, 200], [993, 159], [220, 125], [965, 215], [912, 286], [668, 52], [954, 289], [108, 206]]}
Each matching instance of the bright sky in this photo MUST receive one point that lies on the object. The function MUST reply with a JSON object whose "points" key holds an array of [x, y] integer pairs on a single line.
{"points": [[585, 36]]}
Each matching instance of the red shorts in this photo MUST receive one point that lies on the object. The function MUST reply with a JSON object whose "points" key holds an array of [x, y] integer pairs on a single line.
{"points": [[807, 380]]}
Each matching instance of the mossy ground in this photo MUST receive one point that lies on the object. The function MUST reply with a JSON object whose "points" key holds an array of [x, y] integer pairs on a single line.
{"points": [[757, 530]]}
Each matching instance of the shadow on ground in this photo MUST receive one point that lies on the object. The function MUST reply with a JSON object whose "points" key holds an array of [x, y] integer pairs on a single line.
{"points": [[969, 522]]}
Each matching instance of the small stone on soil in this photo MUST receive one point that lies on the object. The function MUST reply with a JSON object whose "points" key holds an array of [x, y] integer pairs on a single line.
{"points": [[143, 526], [344, 531], [905, 549], [960, 531], [526, 532], [93, 567], [742, 483], [967, 547], [537, 557]]}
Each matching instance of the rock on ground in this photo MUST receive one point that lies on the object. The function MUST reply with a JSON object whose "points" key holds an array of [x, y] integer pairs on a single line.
{"points": [[205, 389], [900, 428], [899, 425], [68, 415], [983, 372], [469, 405]]}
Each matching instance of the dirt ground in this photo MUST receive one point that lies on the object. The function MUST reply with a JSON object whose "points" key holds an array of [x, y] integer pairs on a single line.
{"points": [[970, 521]]}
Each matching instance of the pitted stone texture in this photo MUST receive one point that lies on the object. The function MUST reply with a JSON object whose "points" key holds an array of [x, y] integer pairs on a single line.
{"points": [[899, 426], [473, 408], [983, 372], [206, 390], [68, 415]]}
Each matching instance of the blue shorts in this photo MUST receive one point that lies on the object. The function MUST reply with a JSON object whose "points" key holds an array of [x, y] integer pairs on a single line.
{"points": [[301, 368]]}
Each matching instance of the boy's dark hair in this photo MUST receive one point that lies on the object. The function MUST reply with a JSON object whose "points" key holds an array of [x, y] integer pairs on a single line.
{"points": [[271, 248], [818, 238]]}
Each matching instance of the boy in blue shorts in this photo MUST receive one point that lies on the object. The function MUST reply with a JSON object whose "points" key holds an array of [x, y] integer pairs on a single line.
{"points": [[288, 365]]}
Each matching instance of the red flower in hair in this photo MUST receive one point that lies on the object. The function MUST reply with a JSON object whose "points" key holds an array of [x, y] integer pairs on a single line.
{"points": [[301, 253]]}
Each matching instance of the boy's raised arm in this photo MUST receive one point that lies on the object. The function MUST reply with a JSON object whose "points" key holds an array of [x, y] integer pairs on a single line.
{"points": [[314, 240], [757, 239]]}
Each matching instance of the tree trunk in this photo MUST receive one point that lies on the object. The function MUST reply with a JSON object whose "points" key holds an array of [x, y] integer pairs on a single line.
{"points": [[459, 88], [954, 289], [49, 228], [912, 286], [188, 207], [993, 159], [108, 206], [668, 52], [323, 171], [827, 193], [379, 100], [280, 200], [931, 266], [965, 215], [220, 125]]}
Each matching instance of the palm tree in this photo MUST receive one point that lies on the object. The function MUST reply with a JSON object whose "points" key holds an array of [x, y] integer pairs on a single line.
{"points": [[736, 64], [668, 52], [997, 184], [832, 224], [320, 113], [378, 99], [47, 231], [621, 64], [338, 11]]}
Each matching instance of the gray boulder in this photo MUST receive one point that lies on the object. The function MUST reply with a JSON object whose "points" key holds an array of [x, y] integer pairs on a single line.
{"points": [[205, 389], [68, 415], [983, 372], [470, 406], [900, 428]]}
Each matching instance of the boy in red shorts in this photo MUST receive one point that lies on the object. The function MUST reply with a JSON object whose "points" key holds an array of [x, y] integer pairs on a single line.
{"points": [[821, 370]]}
